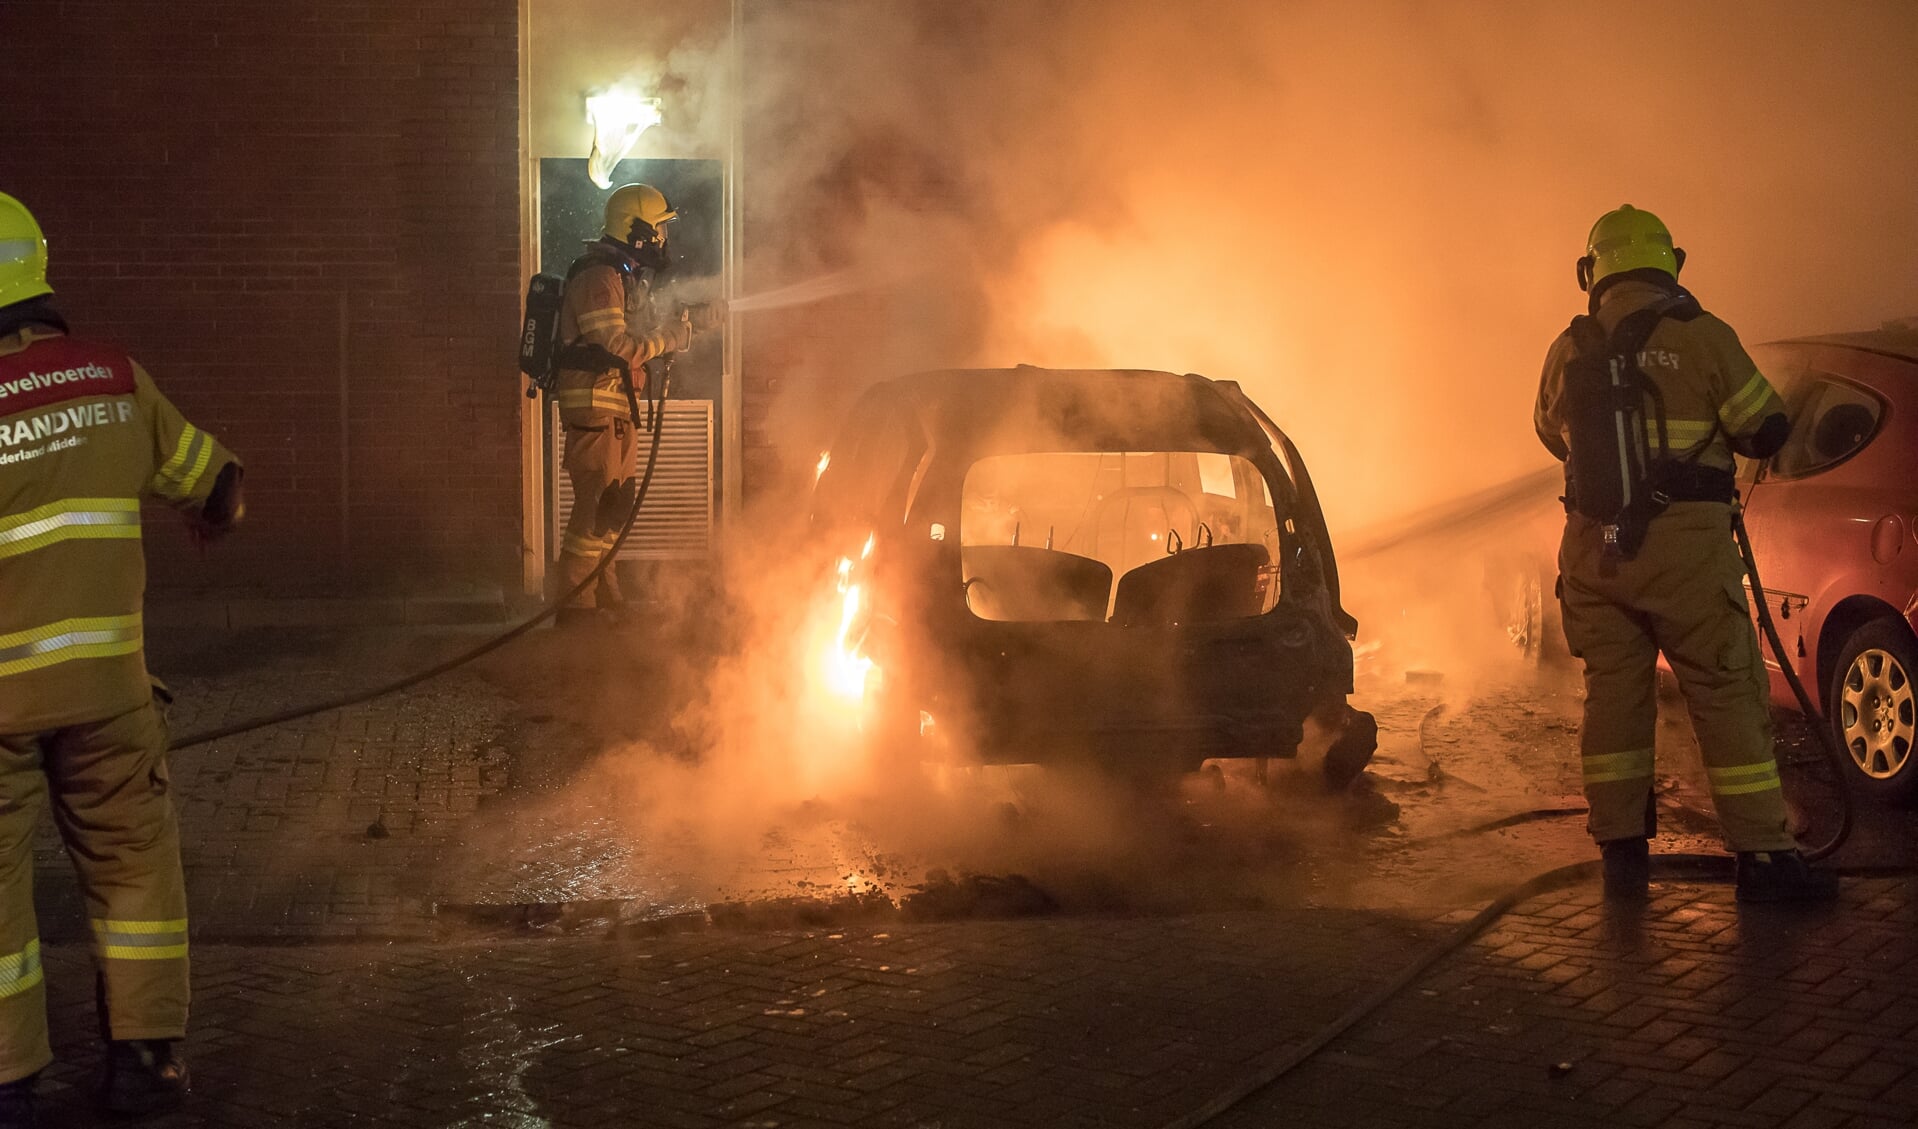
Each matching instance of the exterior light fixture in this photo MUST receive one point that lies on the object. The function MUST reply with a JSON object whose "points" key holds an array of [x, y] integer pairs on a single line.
{"points": [[618, 117]]}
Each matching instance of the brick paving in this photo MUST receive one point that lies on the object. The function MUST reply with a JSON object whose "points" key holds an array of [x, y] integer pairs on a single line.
{"points": [[332, 990], [1690, 1013]]}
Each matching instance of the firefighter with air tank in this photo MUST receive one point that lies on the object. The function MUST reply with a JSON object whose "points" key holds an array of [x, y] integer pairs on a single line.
{"points": [[610, 331], [1647, 398], [84, 437]]}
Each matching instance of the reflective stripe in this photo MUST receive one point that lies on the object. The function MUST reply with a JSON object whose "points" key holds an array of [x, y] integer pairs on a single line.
{"points": [[181, 473], [79, 638], [20, 971], [140, 940], [582, 546], [182, 451], [594, 399], [1742, 779], [1604, 768], [1746, 402], [66, 519], [600, 319], [191, 479]]}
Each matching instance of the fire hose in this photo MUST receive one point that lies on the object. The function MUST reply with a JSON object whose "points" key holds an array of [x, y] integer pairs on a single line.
{"points": [[655, 419], [1717, 868]]}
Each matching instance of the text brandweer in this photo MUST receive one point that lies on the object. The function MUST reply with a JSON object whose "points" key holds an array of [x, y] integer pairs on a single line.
{"points": [[63, 420]]}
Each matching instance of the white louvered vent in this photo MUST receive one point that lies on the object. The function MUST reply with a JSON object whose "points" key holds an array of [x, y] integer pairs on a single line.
{"points": [[676, 523]]}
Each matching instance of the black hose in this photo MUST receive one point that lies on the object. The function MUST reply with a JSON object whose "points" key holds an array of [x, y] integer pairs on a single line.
{"points": [[1277, 1064], [1811, 712], [549, 611]]}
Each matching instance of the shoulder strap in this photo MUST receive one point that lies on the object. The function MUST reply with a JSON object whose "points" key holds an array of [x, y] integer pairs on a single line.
{"points": [[596, 258]]}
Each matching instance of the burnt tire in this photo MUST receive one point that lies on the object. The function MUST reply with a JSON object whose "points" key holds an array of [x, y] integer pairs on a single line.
{"points": [[1349, 755], [1872, 708]]}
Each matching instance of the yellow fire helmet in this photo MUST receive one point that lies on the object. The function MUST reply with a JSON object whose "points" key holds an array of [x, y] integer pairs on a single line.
{"points": [[635, 211], [23, 254], [1627, 239]]}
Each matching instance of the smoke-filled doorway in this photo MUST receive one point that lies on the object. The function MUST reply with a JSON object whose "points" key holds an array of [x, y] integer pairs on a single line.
{"points": [[679, 521]]}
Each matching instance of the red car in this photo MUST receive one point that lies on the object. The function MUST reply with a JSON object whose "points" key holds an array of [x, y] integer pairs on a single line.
{"points": [[1834, 523]]}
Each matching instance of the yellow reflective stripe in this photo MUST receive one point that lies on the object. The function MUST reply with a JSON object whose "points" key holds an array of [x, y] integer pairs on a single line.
{"points": [[192, 478], [66, 519], [78, 638], [594, 398], [20, 971], [108, 925], [140, 940], [581, 546], [1604, 768], [600, 319], [181, 449], [1746, 402], [1740, 779]]}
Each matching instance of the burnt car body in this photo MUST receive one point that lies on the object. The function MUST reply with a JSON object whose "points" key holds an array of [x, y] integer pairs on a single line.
{"points": [[1834, 524], [1121, 567]]}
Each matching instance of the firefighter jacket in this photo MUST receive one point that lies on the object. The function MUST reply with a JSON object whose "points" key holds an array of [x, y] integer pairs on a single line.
{"points": [[84, 436], [1715, 399], [609, 304]]}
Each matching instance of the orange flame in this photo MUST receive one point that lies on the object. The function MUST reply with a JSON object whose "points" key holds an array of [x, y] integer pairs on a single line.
{"points": [[825, 460], [846, 670]]}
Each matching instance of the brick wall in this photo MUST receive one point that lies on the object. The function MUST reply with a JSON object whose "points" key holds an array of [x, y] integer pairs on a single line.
{"points": [[303, 218]]}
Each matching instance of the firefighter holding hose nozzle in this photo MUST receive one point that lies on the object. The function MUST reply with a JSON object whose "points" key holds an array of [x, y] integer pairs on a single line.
{"points": [[1646, 398], [609, 331]]}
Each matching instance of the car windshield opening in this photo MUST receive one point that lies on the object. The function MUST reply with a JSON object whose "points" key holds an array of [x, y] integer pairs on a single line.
{"points": [[1137, 538]]}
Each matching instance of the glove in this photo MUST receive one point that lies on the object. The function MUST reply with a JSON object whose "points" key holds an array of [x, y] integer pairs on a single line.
{"points": [[676, 335], [706, 316], [225, 506]]}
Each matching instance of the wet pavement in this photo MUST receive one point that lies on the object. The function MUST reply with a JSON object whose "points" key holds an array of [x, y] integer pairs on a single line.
{"points": [[515, 896]]}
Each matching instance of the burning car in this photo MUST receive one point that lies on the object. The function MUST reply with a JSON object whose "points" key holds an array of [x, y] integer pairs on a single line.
{"points": [[1123, 568]]}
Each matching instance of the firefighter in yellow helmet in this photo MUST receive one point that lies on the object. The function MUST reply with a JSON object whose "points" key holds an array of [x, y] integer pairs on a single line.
{"points": [[84, 437], [1666, 576], [610, 331]]}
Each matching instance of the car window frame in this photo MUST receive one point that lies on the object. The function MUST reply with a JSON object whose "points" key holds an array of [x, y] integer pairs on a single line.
{"points": [[1811, 374]]}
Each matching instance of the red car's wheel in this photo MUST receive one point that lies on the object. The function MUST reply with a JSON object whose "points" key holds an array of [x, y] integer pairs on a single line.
{"points": [[1874, 708]]}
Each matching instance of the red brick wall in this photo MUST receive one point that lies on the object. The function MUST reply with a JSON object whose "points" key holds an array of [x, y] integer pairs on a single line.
{"points": [[234, 191]]}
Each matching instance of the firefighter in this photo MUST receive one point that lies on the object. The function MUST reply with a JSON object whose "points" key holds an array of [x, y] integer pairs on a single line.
{"points": [[609, 329], [84, 436], [1682, 592]]}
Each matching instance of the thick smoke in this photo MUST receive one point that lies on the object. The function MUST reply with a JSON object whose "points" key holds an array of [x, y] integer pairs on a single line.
{"points": [[1366, 214]]}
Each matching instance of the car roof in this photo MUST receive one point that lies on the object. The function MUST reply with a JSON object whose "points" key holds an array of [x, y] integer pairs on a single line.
{"points": [[1120, 406], [1898, 339]]}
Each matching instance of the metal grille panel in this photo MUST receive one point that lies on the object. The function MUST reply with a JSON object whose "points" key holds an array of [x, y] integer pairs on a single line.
{"points": [[676, 523]]}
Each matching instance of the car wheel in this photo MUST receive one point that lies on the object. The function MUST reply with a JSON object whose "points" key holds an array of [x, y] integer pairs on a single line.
{"points": [[1874, 711]]}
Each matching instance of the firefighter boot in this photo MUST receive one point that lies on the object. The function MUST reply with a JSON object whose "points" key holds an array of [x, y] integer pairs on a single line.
{"points": [[1628, 868], [143, 1076], [1782, 876], [16, 1104]]}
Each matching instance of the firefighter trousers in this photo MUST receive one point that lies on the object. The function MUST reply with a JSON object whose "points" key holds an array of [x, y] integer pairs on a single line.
{"points": [[597, 460], [107, 781], [1684, 595]]}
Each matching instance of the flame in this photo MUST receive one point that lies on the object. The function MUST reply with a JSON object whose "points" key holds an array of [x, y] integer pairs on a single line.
{"points": [[846, 670], [825, 460]]}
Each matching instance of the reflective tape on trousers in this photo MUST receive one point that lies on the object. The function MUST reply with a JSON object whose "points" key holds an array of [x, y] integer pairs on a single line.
{"points": [[140, 940], [20, 971]]}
